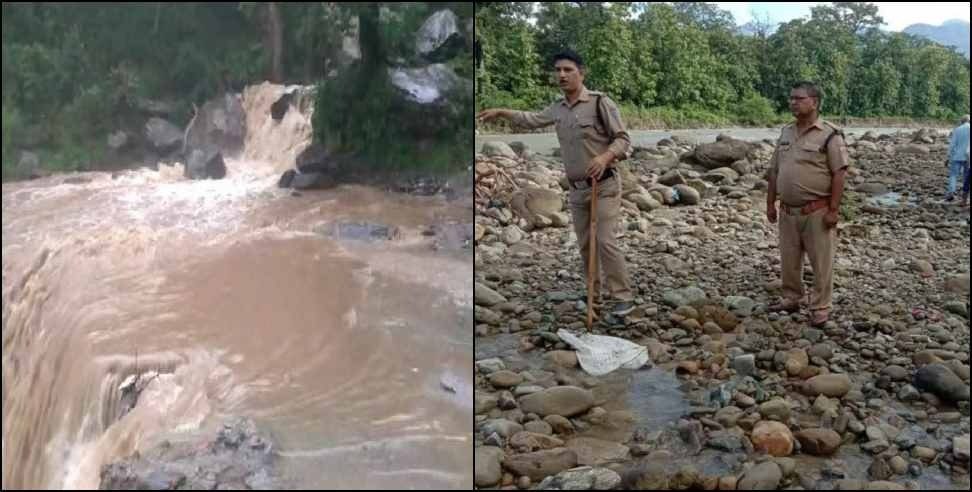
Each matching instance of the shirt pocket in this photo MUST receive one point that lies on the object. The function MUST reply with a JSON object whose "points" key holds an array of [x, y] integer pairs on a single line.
{"points": [[810, 152], [590, 130]]}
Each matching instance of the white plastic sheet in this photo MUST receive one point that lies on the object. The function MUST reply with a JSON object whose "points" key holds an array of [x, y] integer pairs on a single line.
{"points": [[599, 355]]}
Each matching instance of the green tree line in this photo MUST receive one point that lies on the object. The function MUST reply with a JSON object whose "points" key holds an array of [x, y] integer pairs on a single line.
{"points": [[686, 63]]}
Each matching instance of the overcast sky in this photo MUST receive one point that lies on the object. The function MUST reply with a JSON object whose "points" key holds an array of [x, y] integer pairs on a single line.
{"points": [[897, 16]]}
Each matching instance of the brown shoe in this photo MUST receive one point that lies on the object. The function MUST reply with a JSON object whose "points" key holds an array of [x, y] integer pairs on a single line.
{"points": [[788, 306], [820, 318]]}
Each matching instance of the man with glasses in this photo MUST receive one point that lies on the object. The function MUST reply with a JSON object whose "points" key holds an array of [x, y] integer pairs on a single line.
{"points": [[806, 175]]}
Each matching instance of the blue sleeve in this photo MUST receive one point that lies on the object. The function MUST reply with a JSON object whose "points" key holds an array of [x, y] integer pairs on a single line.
{"points": [[965, 141]]}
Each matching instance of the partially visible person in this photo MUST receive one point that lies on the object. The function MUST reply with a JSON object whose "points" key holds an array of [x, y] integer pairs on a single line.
{"points": [[965, 189], [958, 160]]}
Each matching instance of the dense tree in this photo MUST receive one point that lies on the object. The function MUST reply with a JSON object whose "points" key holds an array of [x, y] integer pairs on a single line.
{"points": [[688, 57], [852, 17], [73, 72], [509, 60]]}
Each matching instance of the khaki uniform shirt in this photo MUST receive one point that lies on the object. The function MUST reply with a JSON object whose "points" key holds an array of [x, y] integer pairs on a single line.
{"points": [[804, 168], [581, 135]]}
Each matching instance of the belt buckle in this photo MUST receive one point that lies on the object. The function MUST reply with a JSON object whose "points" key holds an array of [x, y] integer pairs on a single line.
{"points": [[813, 207]]}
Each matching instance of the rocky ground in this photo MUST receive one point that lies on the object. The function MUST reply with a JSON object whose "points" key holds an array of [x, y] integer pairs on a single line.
{"points": [[734, 397], [237, 457]]}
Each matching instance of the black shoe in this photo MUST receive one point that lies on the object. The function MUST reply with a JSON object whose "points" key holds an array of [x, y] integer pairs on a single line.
{"points": [[622, 309], [950, 198], [784, 306]]}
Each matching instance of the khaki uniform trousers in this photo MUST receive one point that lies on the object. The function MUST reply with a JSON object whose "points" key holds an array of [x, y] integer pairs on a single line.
{"points": [[611, 265], [808, 234]]}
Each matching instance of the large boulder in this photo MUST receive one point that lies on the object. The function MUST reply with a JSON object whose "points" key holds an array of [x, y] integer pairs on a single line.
{"points": [[202, 165], [498, 149], [489, 468], [484, 296], [312, 181], [425, 85], [831, 385], [722, 175], [219, 126], [866, 145], [287, 178], [672, 178], [657, 161], [720, 154], [940, 380], [163, 135], [413, 100], [924, 135], [688, 195], [28, 166], [688, 296], [238, 456], [316, 159], [439, 38], [279, 108], [663, 194], [541, 464], [818, 442], [597, 452], [538, 206], [916, 149], [773, 438], [429, 100], [566, 401], [644, 201]]}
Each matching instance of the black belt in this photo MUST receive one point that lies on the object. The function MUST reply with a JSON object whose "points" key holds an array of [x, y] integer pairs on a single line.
{"points": [[608, 173]]}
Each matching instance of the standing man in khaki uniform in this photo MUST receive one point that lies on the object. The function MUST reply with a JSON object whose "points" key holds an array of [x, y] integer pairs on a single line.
{"points": [[592, 138], [807, 174]]}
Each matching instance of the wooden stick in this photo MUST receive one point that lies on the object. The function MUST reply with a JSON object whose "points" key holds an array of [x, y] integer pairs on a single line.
{"points": [[592, 257], [509, 178]]}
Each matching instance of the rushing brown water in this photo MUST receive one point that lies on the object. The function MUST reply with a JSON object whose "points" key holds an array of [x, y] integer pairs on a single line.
{"points": [[237, 294]]}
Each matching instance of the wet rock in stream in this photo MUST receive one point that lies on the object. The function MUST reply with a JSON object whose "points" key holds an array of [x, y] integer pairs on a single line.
{"points": [[237, 456]]}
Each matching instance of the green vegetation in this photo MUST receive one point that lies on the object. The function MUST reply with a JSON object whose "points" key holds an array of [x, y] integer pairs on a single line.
{"points": [[73, 73], [685, 64], [388, 132]]}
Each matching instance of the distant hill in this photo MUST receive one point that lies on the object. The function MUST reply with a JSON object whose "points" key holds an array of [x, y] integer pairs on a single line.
{"points": [[950, 33]]}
